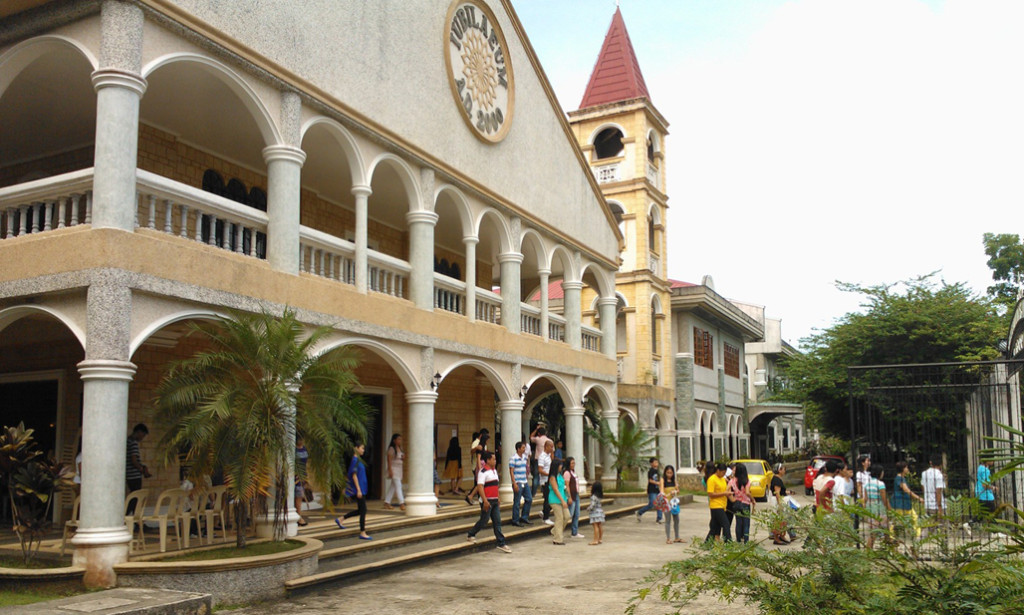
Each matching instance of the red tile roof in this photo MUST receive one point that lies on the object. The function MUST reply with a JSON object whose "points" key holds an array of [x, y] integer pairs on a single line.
{"points": [[679, 284], [616, 74]]}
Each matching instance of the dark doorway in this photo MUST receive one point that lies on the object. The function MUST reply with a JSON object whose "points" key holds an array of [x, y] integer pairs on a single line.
{"points": [[375, 446], [34, 403]]}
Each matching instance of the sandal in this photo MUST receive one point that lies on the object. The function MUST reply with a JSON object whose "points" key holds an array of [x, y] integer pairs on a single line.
{"points": [[387, 506], [302, 522]]}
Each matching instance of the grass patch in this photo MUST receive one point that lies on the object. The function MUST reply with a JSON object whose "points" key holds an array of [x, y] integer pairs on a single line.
{"points": [[253, 550], [14, 595], [17, 561]]}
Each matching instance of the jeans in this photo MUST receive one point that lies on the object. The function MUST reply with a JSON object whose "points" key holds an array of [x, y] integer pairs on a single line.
{"points": [[526, 495], [650, 505], [574, 513], [494, 514], [546, 509], [742, 521], [719, 525]]}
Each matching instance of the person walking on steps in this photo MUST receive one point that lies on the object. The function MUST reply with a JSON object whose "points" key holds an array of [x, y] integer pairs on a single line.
{"points": [[487, 482], [518, 465], [396, 471], [544, 463], [357, 488]]}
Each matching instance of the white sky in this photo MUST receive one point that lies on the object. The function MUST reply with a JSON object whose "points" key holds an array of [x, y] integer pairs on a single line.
{"points": [[810, 141]]}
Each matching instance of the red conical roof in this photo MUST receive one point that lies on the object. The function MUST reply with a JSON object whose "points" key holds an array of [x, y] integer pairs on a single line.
{"points": [[617, 73]]}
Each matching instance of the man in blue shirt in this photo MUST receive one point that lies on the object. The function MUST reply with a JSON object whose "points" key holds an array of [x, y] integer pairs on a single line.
{"points": [[985, 490], [517, 466]]}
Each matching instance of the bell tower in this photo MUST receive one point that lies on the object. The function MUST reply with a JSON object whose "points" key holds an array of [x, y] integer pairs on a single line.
{"points": [[622, 134]]}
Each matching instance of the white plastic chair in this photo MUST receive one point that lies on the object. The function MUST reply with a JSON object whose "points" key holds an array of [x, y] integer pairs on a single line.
{"points": [[71, 525], [167, 510], [216, 511], [134, 519]]}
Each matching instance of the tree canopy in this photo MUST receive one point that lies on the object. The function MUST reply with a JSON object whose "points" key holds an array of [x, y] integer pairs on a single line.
{"points": [[1006, 260], [914, 321], [237, 407]]}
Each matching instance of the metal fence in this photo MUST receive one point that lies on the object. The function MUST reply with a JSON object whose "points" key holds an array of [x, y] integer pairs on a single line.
{"points": [[911, 412]]}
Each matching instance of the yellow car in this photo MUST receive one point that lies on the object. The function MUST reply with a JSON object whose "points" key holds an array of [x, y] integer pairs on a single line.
{"points": [[760, 474]]}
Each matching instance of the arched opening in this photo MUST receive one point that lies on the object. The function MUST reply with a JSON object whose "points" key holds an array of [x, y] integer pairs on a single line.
{"points": [[327, 202], [492, 242], [450, 265], [387, 206], [40, 387], [608, 143]]}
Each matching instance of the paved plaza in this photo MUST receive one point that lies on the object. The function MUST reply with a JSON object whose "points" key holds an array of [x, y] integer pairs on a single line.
{"points": [[537, 577]]}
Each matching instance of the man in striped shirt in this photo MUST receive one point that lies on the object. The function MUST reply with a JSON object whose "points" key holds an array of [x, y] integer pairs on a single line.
{"points": [[487, 482], [517, 467]]}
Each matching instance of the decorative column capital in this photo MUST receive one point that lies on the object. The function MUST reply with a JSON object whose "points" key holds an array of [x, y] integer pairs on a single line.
{"points": [[106, 369], [470, 240], [572, 285], [543, 272], [511, 405], [361, 190], [114, 78], [612, 301], [510, 257], [421, 397], [577, 411], [421, 216], [289, 153]]}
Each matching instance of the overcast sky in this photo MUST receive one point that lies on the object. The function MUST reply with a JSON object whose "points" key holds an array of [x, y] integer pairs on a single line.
{"points": [[811, 141]]}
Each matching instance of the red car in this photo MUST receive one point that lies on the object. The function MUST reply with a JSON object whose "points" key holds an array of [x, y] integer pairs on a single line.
{"points": [[812, 470]]}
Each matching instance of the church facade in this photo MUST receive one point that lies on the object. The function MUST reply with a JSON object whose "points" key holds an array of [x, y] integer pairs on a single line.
{"points": [[399, 171]]}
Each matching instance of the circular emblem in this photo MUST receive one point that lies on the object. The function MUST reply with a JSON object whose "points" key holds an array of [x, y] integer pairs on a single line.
{"points": [[479, 71]]}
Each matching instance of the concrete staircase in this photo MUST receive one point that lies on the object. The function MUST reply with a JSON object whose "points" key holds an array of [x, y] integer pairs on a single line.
{"points": [[400, 541]]}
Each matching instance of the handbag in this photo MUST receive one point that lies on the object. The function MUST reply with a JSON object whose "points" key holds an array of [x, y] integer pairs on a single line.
{"points": [[674, 506], [661, 503]]}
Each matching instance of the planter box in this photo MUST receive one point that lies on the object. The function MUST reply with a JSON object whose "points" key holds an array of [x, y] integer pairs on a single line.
{"points": [[230, 581]]}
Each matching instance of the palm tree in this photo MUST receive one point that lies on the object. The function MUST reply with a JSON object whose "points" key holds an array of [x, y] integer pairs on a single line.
{"points": [[629, 445], [238, 405]]}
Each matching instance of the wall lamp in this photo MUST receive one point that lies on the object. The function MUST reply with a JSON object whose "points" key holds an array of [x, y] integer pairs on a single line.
{"points": [[436, 381], [523, 391]]}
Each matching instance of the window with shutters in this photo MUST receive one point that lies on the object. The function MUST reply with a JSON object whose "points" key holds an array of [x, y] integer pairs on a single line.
{"points": [[732, 360], [703, 354]]}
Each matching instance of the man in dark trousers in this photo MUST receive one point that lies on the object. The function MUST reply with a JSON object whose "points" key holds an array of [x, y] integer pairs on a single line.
{"points": [[653, 489], [487, 483]]}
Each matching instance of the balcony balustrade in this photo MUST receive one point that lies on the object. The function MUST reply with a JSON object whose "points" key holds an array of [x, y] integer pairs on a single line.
{"points": [[46, 204], [449, 294], [653, 175], [529, 319], [488, 306], [607, 173], [590, 338], [556, 327], [327, 256], [167, 206]]}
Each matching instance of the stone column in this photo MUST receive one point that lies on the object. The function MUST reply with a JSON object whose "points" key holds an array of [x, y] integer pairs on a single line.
{"points": [[420, 500], [102, 538], [362, 194], [510, 290], [421, 258], [470, 241], [607, 307], [544, 281], [574, 440], [611, 416], [572, 313], [119, 87], [265, 523], [284, 185], [511, 423]]}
